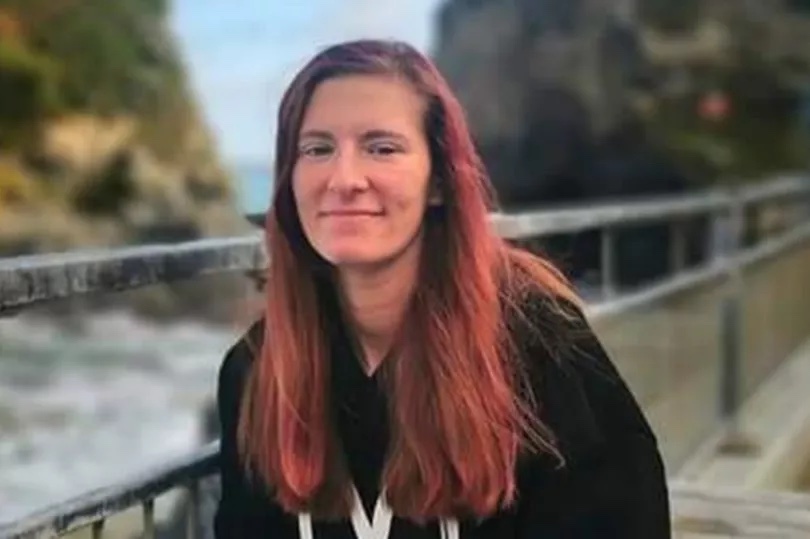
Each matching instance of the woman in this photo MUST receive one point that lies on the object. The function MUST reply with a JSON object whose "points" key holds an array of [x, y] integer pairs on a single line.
{"points": [[412, 375]]}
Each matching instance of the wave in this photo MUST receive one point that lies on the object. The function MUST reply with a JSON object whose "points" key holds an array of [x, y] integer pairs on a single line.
{"points": [[79, 410]]}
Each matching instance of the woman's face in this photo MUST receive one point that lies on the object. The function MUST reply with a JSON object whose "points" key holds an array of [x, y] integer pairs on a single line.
{"points": [[361, 178]]}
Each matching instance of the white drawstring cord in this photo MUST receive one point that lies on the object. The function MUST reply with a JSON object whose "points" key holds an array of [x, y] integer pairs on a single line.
{"points": [[379, 527], [449, 529], [305, 526]]}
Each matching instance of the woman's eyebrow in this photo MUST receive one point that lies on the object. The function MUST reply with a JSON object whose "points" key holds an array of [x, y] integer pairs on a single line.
{"points": [[383, 133], [316, 133]]}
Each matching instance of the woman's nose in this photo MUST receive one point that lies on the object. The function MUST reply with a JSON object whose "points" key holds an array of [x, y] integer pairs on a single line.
{"points": [[347, 174]]}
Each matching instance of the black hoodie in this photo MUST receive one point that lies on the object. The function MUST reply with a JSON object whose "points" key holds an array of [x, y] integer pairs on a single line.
{"points": [[613, 484]]}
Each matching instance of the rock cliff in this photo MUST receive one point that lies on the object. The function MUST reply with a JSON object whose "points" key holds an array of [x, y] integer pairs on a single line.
{"points": [[542, 77], [572, 101], [557, 91], [101, 141], [102, 144]]}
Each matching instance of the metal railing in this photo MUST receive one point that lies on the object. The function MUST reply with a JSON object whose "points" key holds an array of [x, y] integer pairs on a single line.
{"points": [[94, 508], [29, 280]]}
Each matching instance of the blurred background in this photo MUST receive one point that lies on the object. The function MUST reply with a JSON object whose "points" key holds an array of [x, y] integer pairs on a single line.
{"points": [[133, 122]]}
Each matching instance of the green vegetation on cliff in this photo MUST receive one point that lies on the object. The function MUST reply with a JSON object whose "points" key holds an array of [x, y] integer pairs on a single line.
{"points": [[97, 122], [102, 143], [28, 91], [95, 56]]}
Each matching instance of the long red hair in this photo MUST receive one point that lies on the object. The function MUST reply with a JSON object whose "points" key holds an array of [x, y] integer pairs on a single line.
{"points": [[458, 410]]}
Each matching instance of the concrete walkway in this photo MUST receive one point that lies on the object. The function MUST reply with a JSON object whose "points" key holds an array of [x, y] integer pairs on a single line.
{"points": [[716, 513], [771, 447]]}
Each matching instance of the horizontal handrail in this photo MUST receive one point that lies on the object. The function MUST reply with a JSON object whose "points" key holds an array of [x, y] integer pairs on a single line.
{"points": [[605, 214], [30, 279], [787, 185], [702, 275], [541, 222], [108, 501]]}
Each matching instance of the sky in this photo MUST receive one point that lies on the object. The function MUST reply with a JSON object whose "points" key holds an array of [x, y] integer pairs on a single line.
{"points": [[242, 53]]}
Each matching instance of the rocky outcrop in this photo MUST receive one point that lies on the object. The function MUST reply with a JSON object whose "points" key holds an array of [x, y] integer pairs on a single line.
{"points": [[582, 100], [102, 144], [100, 133], [549, 84], [545, 80], [98, 185], [552, 92]]}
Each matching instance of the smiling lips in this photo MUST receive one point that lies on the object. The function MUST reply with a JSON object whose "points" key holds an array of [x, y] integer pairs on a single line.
{"points": [[348, 221], [350, 213]]}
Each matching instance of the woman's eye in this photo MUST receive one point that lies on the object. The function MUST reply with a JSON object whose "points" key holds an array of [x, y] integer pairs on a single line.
{"points": [[383, 149], [319, 150]]}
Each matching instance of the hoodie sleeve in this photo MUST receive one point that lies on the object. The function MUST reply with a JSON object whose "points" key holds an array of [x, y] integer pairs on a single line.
{"points": [[243, 511], [613, 483]]}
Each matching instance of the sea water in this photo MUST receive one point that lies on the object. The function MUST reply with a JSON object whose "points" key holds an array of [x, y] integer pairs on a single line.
{"points": [[82, 410], [254, 185]]}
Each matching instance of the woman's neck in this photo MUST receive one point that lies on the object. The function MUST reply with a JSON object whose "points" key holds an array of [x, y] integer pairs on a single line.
{"points": [[375, 302]]}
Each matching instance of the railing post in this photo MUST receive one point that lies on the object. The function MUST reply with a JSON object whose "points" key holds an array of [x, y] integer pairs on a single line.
{"points": [[193, 518], [731, 321], [677, 253], [149, 519], [730, 360], [608, 262]]}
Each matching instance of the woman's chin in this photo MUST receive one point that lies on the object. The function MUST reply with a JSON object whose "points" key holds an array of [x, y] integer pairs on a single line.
{"points": [[368, 255], [354, 258]]}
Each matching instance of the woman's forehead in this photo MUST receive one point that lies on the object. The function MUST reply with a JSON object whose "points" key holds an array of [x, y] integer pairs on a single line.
{"points": [[360, 103]]}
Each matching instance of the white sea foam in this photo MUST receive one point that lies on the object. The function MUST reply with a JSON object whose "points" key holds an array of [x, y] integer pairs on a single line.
{"points": [[83, 410]]}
